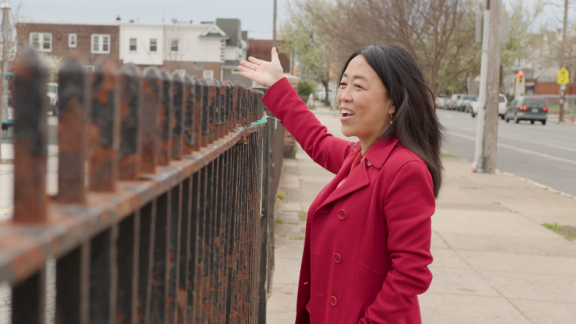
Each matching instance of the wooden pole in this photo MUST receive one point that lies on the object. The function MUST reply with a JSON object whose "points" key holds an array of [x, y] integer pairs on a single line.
{"points": [[492, 88]]}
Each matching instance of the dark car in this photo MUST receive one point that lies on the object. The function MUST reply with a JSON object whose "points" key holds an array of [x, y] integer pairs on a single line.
{"points": [[527, 108]]}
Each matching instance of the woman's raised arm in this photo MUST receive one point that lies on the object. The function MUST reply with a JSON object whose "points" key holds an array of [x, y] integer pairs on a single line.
{"points": [[284, 103]]}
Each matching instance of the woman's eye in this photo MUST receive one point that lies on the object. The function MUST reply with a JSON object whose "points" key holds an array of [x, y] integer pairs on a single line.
{"points": [[358, 86], [342, 84]]}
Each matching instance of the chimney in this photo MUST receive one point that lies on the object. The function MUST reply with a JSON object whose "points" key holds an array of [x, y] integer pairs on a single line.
{"points": [[131, 21], [190, 22]]}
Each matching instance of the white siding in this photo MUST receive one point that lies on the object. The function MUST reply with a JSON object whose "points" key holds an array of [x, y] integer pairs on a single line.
{"points": [[142, 33], [192, 47]]}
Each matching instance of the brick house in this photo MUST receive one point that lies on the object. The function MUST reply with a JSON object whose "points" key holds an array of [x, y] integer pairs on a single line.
{"points": [[90, 42], [261, 48]]}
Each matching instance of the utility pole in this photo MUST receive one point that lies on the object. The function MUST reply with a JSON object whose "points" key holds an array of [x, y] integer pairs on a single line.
{"points": [[478, 164], [493, 88], [563, 86], [274, 27], [5, 52]]}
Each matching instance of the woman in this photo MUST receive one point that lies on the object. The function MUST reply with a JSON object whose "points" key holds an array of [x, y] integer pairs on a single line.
{"points": [[368, 232]]}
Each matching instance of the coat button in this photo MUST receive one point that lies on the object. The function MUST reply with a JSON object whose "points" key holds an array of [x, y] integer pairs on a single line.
{"points": [[337, 258], [342, 214], [333, 301]]}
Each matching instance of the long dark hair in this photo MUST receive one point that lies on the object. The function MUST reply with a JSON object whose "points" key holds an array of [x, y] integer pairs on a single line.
{"points": [[415, 123]]}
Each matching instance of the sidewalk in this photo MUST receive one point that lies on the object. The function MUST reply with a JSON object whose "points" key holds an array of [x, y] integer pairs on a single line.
{"points": [[493, 260]]}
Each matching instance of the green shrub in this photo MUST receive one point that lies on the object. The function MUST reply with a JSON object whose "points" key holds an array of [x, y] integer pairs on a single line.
{"points": [[305, 89]]}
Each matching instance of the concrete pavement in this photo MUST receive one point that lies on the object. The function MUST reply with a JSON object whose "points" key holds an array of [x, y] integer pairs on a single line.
{"points": [[493, 260]]}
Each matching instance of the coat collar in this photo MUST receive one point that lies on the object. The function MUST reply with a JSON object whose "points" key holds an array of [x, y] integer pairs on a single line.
{"points": [[379, 152]]}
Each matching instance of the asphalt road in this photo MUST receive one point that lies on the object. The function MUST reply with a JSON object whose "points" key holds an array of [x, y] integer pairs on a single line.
{"points": [[545, 154]]}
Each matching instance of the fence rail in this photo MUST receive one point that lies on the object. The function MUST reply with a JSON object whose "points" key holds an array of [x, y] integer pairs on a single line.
{"points": [[165, 198]]}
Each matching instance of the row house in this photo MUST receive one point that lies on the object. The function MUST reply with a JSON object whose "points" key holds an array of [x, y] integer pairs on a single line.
{"points": [[199, 49]]}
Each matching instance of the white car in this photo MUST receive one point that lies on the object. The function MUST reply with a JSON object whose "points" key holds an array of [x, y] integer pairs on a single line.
{"points": [[502, 102], [53, 97]]}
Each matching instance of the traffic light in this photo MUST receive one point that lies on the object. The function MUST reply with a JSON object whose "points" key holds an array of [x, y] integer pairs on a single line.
{"points": [[519, 76]]}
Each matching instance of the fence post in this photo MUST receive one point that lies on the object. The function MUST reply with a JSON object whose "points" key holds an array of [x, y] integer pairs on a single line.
{"points": [[104, 128], [73, 112], [189, 137], [151, 101], [178, 101], [130, 120], [166, 119], [205, 112]]}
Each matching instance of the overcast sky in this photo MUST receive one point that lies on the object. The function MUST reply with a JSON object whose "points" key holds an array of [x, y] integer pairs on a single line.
{"points": [[255, 15]]}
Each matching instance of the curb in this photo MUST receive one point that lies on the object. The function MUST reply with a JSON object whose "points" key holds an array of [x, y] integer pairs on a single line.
{"points": [[534, 183]]}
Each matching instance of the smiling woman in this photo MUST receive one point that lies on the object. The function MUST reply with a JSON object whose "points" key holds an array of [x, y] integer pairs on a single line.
{"points": [[367, 245]]}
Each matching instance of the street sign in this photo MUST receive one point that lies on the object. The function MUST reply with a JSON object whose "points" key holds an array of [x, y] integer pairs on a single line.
{"points": [[563, 76]]}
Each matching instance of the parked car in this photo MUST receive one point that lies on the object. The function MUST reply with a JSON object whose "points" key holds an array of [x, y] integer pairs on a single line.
{"points": [[466, 103], [53, 97], [453, 102], [502, 103], [441, 101], [527, 108]]}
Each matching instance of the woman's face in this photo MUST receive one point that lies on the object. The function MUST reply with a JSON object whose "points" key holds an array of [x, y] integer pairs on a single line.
{"points": [[364, 105]]}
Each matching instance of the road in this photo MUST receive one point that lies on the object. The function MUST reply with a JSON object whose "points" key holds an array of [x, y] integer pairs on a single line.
{"points": [[544, 154]]}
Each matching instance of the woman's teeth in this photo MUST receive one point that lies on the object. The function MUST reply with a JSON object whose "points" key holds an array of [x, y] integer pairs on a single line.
{"points": [[346, 112]]}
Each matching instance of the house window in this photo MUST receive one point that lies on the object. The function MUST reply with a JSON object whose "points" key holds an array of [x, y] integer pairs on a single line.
{"points": [[100, 44], [208, 74], [180, 72], [235, 71], [41, 41], [72, 40], [174, 45], [133, 44], [153, 45], [88, 68]]}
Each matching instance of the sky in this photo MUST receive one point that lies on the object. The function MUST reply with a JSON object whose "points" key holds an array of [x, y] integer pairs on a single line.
{"points": [[255, 15]]}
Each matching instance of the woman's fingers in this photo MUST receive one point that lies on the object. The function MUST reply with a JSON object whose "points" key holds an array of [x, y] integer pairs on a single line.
{"points": [[255, 60], [248, 65], [275, 54]]}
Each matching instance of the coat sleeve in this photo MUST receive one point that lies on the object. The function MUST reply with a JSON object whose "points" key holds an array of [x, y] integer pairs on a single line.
{"points": [[322, 147], [408, 206]]}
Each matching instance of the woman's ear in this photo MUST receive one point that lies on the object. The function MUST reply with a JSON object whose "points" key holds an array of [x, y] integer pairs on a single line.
{"points": [[391, 110]]}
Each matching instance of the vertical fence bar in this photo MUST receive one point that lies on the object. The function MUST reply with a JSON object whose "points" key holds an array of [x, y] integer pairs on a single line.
{"points": [[104, 128], [227, 103], [103, 277], [146, 262], [29, 300], [178, 110], [72, 286], [174, 252], [237, 103], [158, 313], [73, 110], [30, 139], [128, 242], [130, 122], [165, 119], [192, 284], [189, 136], [151, 102], [184, 262], [202, 268], [212, 216]]}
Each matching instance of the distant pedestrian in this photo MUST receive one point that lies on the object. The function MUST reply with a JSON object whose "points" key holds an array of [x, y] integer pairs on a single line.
{"points": [[368, 232]]}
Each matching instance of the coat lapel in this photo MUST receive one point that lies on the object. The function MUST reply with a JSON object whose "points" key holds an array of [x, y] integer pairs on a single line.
{"points": [[356, 180]]}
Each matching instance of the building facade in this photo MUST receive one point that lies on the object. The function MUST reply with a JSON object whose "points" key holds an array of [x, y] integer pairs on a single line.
{"points": [[201, 50], [89, 42]]}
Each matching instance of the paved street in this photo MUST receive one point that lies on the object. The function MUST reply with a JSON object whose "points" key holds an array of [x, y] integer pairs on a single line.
{"points": [[544, 154], [494, 262]]}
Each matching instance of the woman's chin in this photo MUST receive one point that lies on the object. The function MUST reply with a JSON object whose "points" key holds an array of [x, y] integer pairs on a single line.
{"points": [[346, 131]]}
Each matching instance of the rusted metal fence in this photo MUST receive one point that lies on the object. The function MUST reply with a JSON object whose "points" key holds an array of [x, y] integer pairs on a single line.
{"points": [[165, 198]]}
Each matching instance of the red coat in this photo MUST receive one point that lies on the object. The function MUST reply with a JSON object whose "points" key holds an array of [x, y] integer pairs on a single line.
{"points": [[367, 244]]}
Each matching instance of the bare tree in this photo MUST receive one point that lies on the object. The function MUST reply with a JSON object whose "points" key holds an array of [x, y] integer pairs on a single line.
{"points": [[8, 47], [308, 43], [438, 33]]}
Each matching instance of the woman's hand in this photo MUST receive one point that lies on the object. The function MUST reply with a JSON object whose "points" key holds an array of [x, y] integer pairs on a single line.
{"points": [[265, 73]]}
